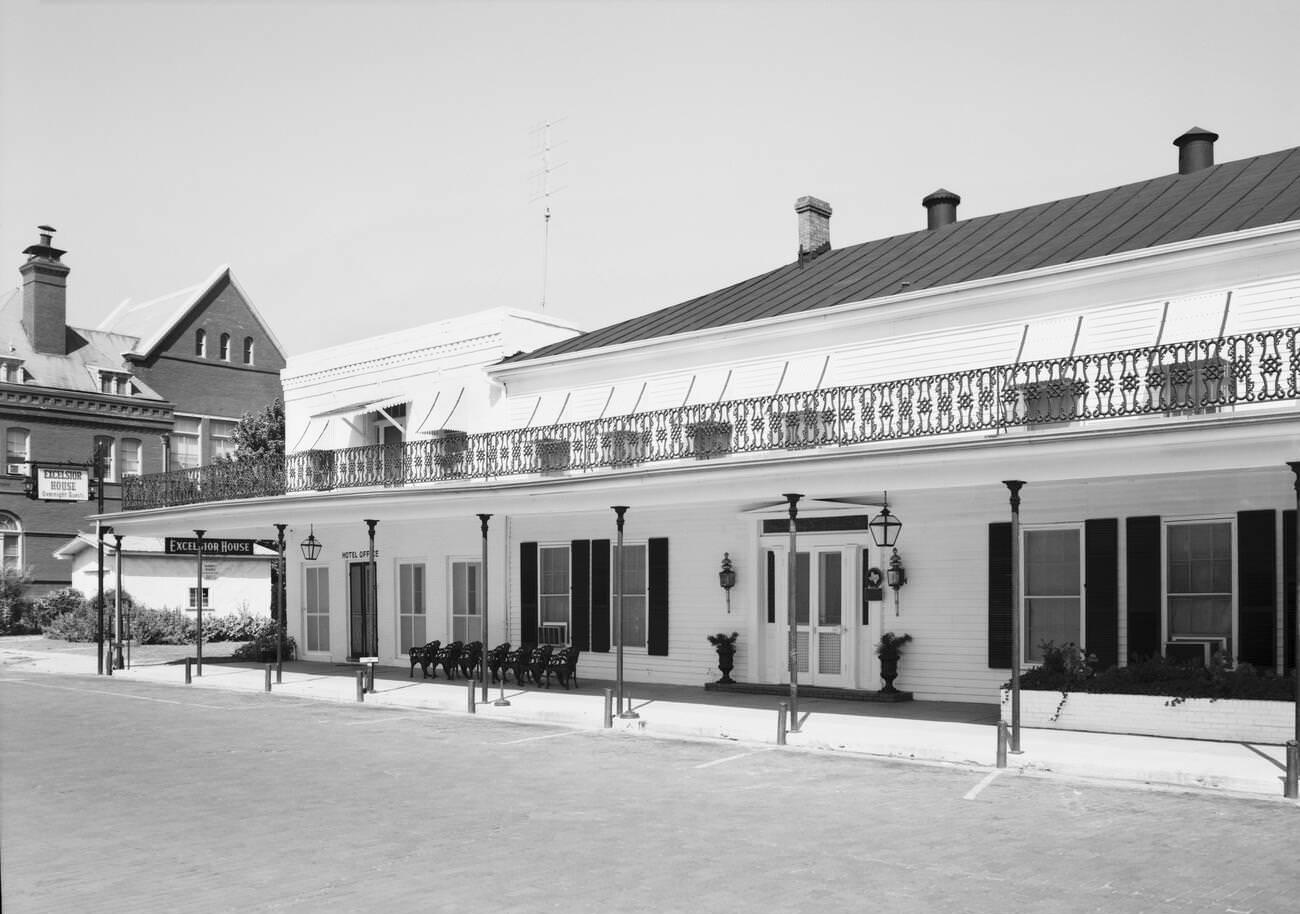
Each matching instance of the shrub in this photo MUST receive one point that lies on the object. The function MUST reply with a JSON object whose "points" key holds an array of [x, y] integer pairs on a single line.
{"points": [[262, 647], [54, 604], [1069, 669], [242, 626], [163, 626]]}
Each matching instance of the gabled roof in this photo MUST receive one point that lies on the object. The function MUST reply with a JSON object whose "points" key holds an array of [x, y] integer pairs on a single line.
{"points": [[79, 369], [1249, 193], [150, 321]]}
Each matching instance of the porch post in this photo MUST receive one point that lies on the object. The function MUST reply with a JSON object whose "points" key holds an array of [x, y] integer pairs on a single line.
{"points": [[277, 602], [198, 598], [1015, 486], [1292, 785], [791, 593], [374, 592], [628, 714], [483, 604], [118, 663]]}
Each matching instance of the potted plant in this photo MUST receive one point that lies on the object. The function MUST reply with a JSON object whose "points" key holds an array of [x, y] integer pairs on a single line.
{"points": [[726, 647], [889, 650]]}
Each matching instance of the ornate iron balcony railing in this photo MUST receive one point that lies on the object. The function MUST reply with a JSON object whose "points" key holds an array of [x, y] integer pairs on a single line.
{"points": [[1199, 377]]}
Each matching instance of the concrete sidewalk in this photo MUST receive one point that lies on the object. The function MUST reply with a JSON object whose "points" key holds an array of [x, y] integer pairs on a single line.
{"points": [[939, 732]]}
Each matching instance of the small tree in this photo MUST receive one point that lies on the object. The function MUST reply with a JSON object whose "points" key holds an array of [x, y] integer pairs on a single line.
{"points": [[260, 434], [14, 606]]}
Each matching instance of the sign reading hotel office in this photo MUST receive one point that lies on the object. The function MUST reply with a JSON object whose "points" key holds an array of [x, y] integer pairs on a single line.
{"points": [[188, 545], [62, 483]]}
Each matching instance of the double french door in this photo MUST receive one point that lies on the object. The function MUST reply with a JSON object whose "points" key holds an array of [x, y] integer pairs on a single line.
{"points": [[823, 611]]}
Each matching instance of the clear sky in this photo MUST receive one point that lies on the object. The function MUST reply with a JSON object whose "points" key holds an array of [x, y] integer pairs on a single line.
{"points": [[368, 166]]}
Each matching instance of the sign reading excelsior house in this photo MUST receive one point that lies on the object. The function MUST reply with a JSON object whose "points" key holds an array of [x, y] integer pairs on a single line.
{"points": [[188, 545], [62, 483]]}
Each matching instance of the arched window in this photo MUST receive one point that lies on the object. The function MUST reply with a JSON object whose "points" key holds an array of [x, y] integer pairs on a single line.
{"points": [[11, 541], [225, 347], [201, 343], [248, 350]]}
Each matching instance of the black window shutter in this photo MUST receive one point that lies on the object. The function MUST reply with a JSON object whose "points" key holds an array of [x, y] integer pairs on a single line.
{"points": [[527, 593], [1288, 584], [1143, 578], [657, 598], [771, 585], [1257, 582], [600, 614], [1101, 590], [1000, 595], [580, 605]]}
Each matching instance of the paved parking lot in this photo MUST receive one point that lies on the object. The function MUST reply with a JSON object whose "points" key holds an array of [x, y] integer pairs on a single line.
{"points": [[129, 796]]}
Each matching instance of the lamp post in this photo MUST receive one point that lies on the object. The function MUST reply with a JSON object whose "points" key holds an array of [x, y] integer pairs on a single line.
{"points": [[198, 598], [1015, 485], [277, 601], [629, 714], [1292, 784], [483, 602], [791, 594]]}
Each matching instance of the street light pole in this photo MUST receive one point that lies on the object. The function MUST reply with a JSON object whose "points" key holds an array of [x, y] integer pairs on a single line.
{"points": [[791, 595], [118, 663], [1015, 486], [198, 599], [483, 602]]}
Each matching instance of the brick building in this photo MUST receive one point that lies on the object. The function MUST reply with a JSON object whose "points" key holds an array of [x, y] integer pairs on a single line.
{"points": [[160, 384]]}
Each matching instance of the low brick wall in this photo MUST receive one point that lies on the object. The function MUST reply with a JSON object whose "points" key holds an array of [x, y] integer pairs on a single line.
{"points": [[1270, 722]]}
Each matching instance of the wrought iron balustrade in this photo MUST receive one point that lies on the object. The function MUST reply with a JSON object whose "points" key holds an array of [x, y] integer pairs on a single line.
{"points": [[1197, 377]]}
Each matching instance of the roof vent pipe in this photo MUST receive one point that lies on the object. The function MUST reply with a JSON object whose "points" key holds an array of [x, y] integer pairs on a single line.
{"points": [[1195, 150], [814, 227], [941, 208]]}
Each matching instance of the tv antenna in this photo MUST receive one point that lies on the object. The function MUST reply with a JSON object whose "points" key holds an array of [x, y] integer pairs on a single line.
{"points": [[545, 148]]}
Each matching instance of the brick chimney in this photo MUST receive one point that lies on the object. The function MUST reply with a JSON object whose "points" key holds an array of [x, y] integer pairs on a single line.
{"points": [[814, 227], [1195, 150], [940, 208], [45, 295]]}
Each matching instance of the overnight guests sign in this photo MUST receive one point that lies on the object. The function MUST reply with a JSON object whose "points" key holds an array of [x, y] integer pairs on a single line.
{"points": [[62, 483], [182, 545]]}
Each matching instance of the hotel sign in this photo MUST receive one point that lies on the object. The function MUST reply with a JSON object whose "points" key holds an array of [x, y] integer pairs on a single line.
{"points": [[188, 545], [62, 483]]}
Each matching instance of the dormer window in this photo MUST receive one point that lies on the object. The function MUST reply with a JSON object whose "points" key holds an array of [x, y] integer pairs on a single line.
{"points": [[11, 371], [225, 347], [116, 383], [201, 343]]}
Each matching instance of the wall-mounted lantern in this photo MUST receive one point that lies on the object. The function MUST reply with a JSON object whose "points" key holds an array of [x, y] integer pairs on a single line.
{"points": [[727, 577], [311, 546], [896, 576]]}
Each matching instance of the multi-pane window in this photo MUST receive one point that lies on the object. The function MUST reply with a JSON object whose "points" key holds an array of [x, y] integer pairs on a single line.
{"points": [[130, 456], [115, 383], [201, 343], [248, 350], [185, 441], [1198, 580], [410, 606], [18, 443], [316, 608], [225, 347], [106, 449], [11, 542], [553, 595], [194, 592], [634, 594], [1053, 589], [465, 621], [11, 371], [222, 433]]}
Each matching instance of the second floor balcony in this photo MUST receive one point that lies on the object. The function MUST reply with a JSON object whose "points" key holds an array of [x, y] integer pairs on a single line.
{"points": [[1199, 378]]}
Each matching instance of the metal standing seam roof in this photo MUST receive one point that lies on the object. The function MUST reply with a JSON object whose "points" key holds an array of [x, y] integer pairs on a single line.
{"points": [[1233, 196]]}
